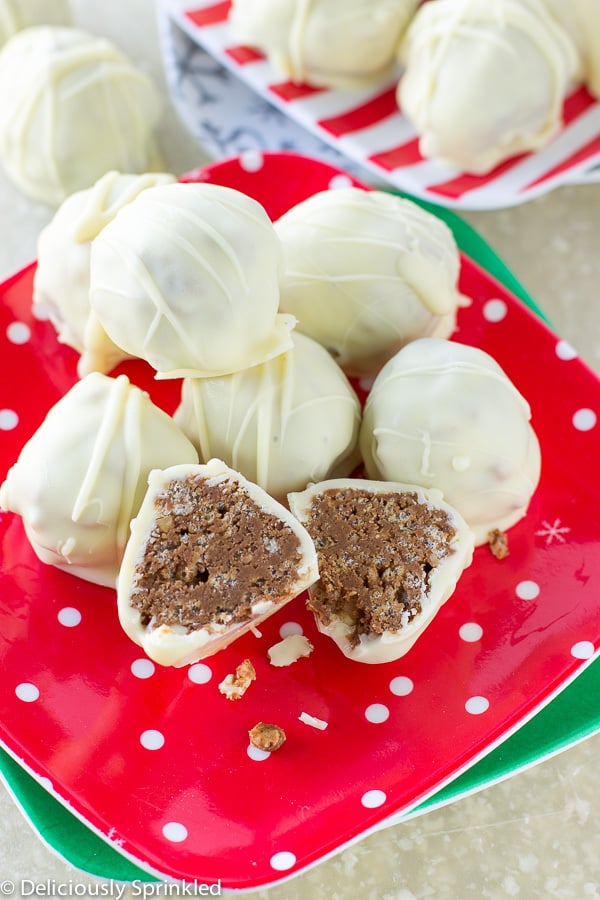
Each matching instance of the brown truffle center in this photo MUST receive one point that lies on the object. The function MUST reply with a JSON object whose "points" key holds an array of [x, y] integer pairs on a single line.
{"points": [[211, 554], [376, 554]]}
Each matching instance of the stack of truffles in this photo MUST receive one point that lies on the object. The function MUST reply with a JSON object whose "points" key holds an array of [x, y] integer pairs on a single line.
{"points": [[208, 521], [480, 80]]}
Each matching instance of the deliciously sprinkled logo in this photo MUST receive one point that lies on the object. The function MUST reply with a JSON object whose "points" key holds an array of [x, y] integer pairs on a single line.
{"points": [[50, 888]]}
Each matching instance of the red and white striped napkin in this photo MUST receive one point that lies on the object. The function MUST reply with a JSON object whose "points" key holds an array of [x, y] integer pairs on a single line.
{"points": [[368, 128]]}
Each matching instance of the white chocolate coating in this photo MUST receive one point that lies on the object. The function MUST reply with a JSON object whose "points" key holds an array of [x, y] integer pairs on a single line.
{"points": [[81, 478], [292, 420], [588, 12], [392, 645], [485, 79], [445, 415], [15, 15], [187, 278], [173, 645], [365, 272], [72, 107], [62, 280], [581, 20], [288, 651], [324, 42]]}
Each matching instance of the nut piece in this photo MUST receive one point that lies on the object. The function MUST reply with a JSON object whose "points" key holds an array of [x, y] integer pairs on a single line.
{"points": [[266, 737], [498, 543], [235, 686]]}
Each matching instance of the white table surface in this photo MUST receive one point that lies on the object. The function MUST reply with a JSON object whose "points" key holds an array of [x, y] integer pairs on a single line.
{"points": [[535, 835]]}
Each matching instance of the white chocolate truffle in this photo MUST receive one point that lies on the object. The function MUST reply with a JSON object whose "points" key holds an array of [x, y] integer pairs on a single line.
{"points": [[81, 478], [72, 107], [210, 556], [15, 15], [445, 415], [62, 279], [365, 272], [187, 278], [484, 80], [389, 556], [292, 420], [588, 14], [331, 43], [581, 20]]}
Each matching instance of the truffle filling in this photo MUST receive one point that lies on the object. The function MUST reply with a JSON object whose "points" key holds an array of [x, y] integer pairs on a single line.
{"points": [[212, 553], [376, 554]]}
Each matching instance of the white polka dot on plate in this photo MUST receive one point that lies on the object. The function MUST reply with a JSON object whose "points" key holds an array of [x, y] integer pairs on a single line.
{"points": [[339, 182], [470, 632], [27, 692], [582, 650], [18, 333], [175, 832], [494, 310], [373, 799], [69, 616], [8, 419], [143, 668], [527, 590], [289, 628], [565, 351], [251, 161], [401, 686], [477, 705], [283, 860], [40, 312], [584, 419], [200, 673], [256, 753], [152, 739], [377, 713]]}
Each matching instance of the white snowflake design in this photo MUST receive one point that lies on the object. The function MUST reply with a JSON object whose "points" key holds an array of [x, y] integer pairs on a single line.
{"points": [[553, 532]]}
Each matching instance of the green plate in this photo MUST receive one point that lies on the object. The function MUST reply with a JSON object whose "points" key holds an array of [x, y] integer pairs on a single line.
{"points": [[572, 716]]}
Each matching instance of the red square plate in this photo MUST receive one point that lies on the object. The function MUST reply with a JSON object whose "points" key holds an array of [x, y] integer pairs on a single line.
{"points": [[157, 760]]}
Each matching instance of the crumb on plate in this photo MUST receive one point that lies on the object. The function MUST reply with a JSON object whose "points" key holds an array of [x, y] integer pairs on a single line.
{"points": [[498, 543], [266, 737], [313, 721], [290, 650], [235, 686]]}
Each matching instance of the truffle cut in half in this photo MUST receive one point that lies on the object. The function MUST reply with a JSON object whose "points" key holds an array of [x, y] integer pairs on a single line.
{"points": [[210, 556], [389, 556]]}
